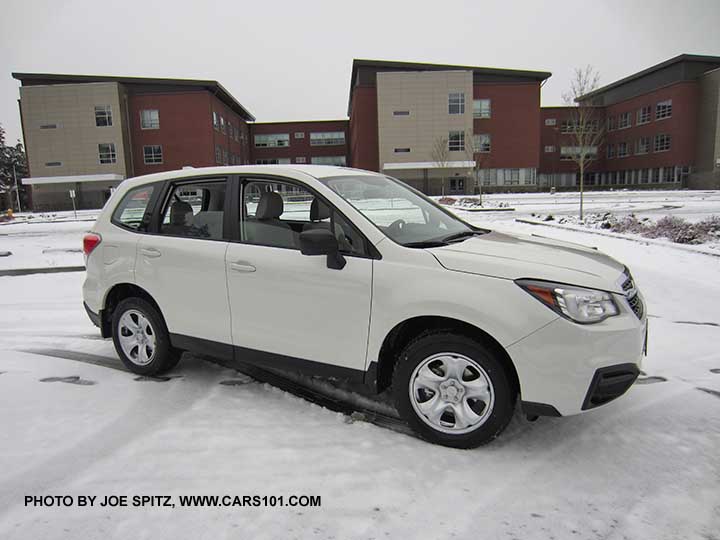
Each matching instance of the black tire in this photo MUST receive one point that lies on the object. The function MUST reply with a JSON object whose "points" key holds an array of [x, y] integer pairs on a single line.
{"points": [[165, 357], [434, 342]]}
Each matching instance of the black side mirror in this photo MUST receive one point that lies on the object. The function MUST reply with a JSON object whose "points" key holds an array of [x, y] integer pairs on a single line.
{"points": [[322, 242]]}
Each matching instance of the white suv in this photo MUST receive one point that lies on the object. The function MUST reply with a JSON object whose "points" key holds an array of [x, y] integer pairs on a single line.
{"points": [[354, 275]]}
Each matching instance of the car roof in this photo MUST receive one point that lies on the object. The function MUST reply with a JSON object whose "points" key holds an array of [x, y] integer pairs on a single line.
{"points": [[316, 171]]}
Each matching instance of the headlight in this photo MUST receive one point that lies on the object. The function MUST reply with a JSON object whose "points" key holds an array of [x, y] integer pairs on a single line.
{"points": [[584, 306]]}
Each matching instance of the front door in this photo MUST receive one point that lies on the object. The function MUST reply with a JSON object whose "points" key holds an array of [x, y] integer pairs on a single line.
{"points": [[287, 306]]}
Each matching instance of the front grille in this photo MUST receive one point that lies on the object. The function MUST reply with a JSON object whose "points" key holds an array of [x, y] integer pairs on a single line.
{"points": [[636, 305], [633, 298]]}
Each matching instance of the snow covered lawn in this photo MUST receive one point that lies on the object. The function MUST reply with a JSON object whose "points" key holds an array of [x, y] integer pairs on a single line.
{"points": [[643, 467]]}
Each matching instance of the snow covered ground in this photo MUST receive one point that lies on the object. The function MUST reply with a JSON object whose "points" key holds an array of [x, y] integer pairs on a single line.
{"points": [[646, 466]]}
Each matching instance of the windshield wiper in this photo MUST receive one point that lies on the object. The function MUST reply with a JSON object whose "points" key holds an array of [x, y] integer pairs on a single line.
{"points": [[426, 244], [458, 237]]}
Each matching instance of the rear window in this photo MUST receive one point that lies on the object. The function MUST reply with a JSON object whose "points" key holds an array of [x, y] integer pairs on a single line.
{"points": [[131, 210]]}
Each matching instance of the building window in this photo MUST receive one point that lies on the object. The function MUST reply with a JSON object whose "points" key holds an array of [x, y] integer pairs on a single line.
{"points": [[610, 151], [642, 145], [622, 149], [663, 109], [611, 123], [481, 108], [456, 103], [273, 161], [327, 138], [226, 156], [401, 150], [401, 113], [150, 119], [457, 185], [549, 149], [643, 115], [231, 130], [103, 115], [481, 142], [489, 177], [643, 176], [567, 126], [662, 142], [328, 160], [53, 164], [299, 134], [512, 176], [218, 154], [216, 120], [668, 174], [456, 141], [572, 152], [624, 120], [153, 154], [272, 140], [222, 124], [655, 175], [106, 153], [550, 121], [300, 160]]}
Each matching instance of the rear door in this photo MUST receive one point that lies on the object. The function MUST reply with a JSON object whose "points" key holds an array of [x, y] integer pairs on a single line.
{"points": [[287, 306], [181, 263]]}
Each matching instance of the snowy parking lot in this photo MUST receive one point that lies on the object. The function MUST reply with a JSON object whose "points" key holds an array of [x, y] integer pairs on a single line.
{"points": [[646, 466]]}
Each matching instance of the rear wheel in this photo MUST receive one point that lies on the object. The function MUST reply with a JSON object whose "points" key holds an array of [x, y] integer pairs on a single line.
{"points": [[141, 338], [452, 390]]}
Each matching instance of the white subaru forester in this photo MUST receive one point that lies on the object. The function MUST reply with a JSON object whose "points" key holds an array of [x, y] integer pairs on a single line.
{"points": [[354, 275]]}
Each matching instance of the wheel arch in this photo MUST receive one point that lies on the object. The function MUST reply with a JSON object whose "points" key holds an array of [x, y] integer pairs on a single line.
{"points": [[396, 340], [118, 293]]}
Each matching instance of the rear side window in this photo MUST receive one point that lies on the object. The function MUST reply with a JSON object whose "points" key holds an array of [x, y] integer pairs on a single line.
{"points": [[131, 210], [195, 210]]}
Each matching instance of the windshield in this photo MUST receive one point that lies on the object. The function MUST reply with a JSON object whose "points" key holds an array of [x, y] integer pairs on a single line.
{"points": [[404, 215]]}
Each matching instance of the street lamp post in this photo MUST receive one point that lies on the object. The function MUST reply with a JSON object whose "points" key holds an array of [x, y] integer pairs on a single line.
{"points": [[17, 189]]}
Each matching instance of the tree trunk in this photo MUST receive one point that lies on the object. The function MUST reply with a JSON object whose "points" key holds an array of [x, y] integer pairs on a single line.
{"points": [[582, 185]]}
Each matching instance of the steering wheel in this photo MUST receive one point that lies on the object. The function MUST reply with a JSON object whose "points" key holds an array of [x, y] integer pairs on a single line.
{"points": [[397, 225]]}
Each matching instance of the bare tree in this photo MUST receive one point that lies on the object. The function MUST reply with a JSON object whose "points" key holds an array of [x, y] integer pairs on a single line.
{"points": [[584, 123], [440, 155], [475, 152]]}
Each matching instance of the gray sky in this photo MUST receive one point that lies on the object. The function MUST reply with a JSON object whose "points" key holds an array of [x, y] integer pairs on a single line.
{"points": [[290, 60]]}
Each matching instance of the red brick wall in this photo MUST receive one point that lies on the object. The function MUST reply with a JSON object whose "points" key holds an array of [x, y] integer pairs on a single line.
{"points": [[299, 147], [681, 127], [513, 126], [364, 150], [238, 151], [185, 132], [550, 136]]}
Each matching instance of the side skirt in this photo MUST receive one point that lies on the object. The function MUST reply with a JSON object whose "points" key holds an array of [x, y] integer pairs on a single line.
{"points": [[232, 356]]}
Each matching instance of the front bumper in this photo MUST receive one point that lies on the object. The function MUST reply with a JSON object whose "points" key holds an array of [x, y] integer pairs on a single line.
{"points": [[566, 368]]}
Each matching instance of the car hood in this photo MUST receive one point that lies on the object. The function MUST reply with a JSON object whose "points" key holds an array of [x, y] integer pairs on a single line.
{"points": [[522, 256]]}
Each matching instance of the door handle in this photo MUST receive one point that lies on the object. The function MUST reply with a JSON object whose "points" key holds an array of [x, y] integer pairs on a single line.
{"points": [[242, 266], [150, 252]]}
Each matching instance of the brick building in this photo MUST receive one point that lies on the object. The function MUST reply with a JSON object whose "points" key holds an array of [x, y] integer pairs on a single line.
{"points": [[662, 129]]}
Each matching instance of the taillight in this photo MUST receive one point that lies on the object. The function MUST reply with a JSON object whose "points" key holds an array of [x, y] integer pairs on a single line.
{"points": [[90, 242]]}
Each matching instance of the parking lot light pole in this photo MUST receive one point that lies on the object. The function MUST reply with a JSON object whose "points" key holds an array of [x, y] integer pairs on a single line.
{"points": [[17, 189]]}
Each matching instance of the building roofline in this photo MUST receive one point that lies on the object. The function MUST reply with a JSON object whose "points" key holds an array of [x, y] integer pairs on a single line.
{"points": [[421, 66], [300, 121], [651, 69], [213, 86]]}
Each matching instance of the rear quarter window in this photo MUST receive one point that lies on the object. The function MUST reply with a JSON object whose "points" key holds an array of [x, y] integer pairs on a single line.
{"points": [[131, 210]]}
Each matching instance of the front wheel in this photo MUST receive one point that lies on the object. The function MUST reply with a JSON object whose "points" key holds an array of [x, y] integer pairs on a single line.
{"points": [[141, 338], [452, 390]]}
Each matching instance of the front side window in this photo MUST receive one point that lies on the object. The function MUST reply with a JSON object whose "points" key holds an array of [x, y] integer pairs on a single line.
{"points": [[195, 210], [131, 210], [456, 103], [456, 141], [152, 154], [103, 115], [276, 213], [106, 153], [150, 119], [327, 138], [481, 109], [402, 214], [272, 140]]}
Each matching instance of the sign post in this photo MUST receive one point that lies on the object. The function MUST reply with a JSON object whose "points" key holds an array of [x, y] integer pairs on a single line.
{"points": [[72, 198]]}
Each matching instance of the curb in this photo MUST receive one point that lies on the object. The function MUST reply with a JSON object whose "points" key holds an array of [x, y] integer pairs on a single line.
{"points": [[48, 270]]}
